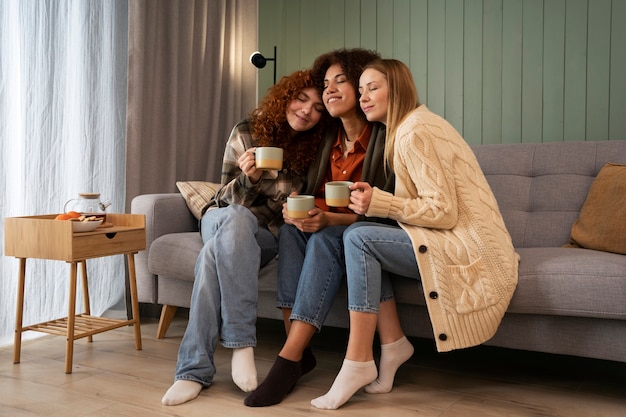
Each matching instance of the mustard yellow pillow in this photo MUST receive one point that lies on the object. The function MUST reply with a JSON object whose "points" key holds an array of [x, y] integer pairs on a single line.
{"points": [[197, 194], [601, 224]]}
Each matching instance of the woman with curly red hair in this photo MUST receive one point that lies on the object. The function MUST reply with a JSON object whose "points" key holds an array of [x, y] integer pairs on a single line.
{"points": [[242, 222]]}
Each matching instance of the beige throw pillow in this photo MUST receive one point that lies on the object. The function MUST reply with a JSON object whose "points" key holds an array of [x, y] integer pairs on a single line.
{"points": [[197, 194], [601, 224]]}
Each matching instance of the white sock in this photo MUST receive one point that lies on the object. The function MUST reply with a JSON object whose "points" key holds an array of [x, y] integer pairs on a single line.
{"points": [[352, 376], [243, 369], [181, 392], [392, 355]]}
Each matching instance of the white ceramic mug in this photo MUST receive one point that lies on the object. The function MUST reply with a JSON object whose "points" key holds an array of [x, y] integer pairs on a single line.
{"points": [[298, 206], [268, 158], [338, 193]]}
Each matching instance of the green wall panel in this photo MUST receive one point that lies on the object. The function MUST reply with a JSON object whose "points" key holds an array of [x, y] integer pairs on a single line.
{"points": [[384, 28], [418, 59], [472, 71], [617, 103], [352, 24], [436, 37], [575, 88], [492, 71], [453, 84], [501, 71], [368, 24], [598, 67], [401, 23], [553, 69], [532, 73], [512, 71]]}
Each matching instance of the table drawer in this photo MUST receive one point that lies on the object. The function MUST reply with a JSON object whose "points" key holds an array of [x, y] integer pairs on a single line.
{"points": [[103, 244]]}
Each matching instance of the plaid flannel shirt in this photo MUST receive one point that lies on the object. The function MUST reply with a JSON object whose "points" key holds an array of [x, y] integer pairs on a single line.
{"points": [[265, 198]]}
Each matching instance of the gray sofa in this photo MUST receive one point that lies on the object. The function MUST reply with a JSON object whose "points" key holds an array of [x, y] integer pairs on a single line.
{"points": [[568, 301]]}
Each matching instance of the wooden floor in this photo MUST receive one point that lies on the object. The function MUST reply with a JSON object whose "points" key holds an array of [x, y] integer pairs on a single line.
{"points": [[111, 378]]}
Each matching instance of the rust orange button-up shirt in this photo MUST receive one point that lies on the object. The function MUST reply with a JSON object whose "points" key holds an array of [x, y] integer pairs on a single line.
{"points": [[348, 169]]}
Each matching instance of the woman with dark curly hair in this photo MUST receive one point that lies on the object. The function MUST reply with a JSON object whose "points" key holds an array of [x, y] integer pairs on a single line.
{"points": [[311, 263], [242, 222]]}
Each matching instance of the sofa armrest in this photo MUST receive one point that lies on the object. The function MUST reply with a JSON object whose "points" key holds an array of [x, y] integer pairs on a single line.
{"points": [[165, 213]]}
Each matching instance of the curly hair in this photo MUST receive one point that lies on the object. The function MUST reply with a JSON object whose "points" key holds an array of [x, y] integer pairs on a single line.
{"points": [[270, 126], [352, 62]]}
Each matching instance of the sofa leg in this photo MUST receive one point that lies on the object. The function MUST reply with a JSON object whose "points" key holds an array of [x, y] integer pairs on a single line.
{"points": [[167, 315]]}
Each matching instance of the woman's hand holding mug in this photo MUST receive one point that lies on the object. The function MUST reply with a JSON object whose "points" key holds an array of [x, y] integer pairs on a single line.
{"points": [[360, 197], [247, 164]]}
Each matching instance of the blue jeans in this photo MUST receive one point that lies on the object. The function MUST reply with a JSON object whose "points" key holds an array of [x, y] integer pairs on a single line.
{"points": [[224, 296], [311, 268], [371, 250]]}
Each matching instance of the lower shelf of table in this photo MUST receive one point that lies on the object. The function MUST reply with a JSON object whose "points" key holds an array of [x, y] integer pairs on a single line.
{"points": [[84, 325]]}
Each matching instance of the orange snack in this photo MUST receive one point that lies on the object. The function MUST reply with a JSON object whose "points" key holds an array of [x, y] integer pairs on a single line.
{"points": [[73, 214], [62, 217]]}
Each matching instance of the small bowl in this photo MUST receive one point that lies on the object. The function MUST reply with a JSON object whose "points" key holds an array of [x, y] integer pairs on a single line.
{"points": [[86, 226]]}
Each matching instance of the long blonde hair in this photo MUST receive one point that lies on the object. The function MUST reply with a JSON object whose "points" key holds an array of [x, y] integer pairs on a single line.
{"points": [[402, 99]]}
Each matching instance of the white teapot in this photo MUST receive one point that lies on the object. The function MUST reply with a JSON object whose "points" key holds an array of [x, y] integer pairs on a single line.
{"points": [[87, 203]]}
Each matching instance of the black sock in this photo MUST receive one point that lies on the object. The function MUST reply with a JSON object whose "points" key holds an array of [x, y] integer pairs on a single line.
{"points": [[308, 362], [279, 381]]}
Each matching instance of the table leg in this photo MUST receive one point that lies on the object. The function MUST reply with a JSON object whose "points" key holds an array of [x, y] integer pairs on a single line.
{"points": [[17, 345], [133, 298], [85, 281], [71, 318]]}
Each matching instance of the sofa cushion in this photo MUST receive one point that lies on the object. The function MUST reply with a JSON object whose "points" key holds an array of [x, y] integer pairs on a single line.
{"points": [[555, 281], [174, 255], [570, 282], [197, 195], [541, 187], [601, 224]]}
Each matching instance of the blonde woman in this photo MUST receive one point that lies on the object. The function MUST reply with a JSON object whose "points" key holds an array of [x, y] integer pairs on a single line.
{"points": [[451, 236]]}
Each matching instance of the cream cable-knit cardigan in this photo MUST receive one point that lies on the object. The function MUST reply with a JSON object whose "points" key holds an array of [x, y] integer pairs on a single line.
{"points": [[466, 259]]}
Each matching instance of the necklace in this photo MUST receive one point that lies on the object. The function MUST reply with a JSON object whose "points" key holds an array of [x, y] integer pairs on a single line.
{"points": [[348, 145]]}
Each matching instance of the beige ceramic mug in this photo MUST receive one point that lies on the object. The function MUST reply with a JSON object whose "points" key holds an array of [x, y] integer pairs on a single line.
{"points": [[268, 158], [298, 206], [338, 193]]}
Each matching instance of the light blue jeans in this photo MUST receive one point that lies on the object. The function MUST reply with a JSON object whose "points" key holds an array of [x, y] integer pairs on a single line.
{"points": [[311, 268], [224, 296], [372, 250]]}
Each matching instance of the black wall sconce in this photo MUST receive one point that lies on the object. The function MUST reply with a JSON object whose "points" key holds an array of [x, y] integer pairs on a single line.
{"points": [[258, 60]]}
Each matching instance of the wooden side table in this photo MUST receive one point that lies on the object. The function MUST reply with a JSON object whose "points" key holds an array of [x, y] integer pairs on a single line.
{"points": [[45, 238]]}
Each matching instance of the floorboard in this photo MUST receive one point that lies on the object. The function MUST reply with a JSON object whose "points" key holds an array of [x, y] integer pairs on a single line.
{"points": [[111, 378]]}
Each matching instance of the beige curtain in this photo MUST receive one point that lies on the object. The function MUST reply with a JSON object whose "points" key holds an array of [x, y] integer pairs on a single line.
{"points": [[189, 82]]}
